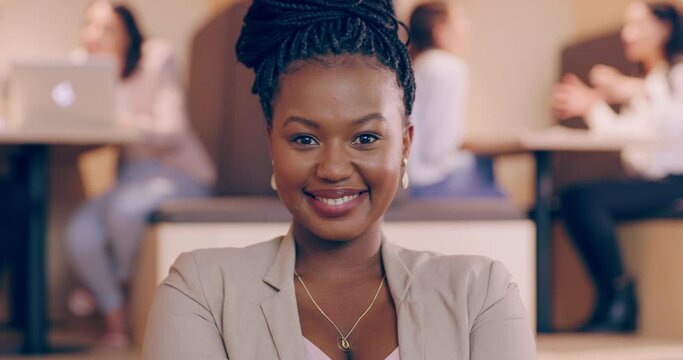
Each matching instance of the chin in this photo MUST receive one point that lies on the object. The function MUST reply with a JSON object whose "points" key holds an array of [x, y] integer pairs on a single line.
{"points": [[341, 231], [633, 56]]}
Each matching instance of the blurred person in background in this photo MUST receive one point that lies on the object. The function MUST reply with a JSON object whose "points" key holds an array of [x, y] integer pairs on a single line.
{"points": [[653, 109], [14, 209], [103, 236], [439, 34]]}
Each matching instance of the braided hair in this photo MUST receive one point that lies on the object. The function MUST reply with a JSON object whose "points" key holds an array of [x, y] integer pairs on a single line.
{"points": [[277, 33]]}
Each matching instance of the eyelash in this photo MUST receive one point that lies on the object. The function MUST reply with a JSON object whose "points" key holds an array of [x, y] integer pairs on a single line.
{"points": [[309, 140], [297, 139], [374, 137]]}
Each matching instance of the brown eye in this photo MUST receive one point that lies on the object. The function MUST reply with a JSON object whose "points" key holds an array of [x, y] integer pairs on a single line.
{"points": [[305, 140], [365, 139]]}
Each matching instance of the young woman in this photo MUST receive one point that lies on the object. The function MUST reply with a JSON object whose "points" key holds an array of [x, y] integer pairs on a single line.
{"points": [[653, 37], [439, 167], [336, 86], [104, 234]]}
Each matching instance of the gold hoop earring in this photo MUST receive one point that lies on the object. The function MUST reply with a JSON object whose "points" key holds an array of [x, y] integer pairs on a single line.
{"points": [[273, 184], [405, 180]]}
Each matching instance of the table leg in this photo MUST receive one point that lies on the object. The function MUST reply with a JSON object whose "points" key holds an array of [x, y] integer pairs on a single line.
{"points": [[544, 250], [35, 331]]}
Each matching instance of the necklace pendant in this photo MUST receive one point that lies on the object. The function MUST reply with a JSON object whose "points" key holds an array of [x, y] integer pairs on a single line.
{"points": [[343, 344]]}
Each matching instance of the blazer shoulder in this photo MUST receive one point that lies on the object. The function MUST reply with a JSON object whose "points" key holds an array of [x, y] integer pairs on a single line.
{"points": [[418, 261], [230, 258], [484, 280]]}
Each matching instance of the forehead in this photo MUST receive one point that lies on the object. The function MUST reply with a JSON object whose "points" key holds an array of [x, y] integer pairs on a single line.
{"points": [[100, 11], [344, 87], [637, 12]]}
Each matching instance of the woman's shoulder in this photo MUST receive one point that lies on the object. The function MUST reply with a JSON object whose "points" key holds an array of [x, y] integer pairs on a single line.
{"points": [[420, 260], [209, 268], [229, 258], [439, 63], [475, 274], [466, 283], [157, 56]]}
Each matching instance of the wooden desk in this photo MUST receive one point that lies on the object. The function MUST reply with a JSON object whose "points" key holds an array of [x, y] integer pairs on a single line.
{"points": [[542, 144], [34, 147]]}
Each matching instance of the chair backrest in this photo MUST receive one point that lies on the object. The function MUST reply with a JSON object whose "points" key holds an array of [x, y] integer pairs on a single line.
{"points": [[224, 112]]}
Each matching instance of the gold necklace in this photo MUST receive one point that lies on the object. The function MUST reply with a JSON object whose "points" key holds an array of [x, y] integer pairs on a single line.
{"points": [[342, 341]]}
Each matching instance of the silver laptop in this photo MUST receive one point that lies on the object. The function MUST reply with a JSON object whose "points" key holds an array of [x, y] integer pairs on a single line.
{"points": [[63, 96]]}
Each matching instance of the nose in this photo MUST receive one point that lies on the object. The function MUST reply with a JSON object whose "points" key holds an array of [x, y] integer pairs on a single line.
{"points": [[334, 164], [628, 34]]}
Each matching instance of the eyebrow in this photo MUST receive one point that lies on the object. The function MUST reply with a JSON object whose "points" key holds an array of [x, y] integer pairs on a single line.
{"points": [[303, 121], [315, 125], [370, 117]]}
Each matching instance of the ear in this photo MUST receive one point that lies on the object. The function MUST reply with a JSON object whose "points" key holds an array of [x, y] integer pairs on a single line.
{"points": [[408, 132]]}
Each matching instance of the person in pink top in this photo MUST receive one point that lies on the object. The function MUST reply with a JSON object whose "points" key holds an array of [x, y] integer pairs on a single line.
{"points": [[104, 234]]}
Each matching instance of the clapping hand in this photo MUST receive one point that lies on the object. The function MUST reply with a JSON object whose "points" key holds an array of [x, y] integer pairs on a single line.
{"points": [[572, 97], [613, 86]]}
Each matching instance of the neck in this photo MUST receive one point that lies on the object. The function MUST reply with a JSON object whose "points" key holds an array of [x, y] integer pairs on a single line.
{"points": [[359, 257]]}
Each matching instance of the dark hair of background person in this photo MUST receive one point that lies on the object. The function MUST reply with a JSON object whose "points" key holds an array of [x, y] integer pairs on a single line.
{"points": [[669, 14], [278, 33], [135, 40], [423, 20]]}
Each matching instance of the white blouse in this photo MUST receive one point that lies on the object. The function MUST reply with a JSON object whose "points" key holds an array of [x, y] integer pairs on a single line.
{"points": [[152, 101], [314, 353], [442, 86], [654, 120]]}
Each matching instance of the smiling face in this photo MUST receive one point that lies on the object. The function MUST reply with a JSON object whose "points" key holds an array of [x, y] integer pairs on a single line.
{"points": [[338, 139]]}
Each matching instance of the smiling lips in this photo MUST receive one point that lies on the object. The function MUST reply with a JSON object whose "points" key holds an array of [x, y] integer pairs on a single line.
{"points": [[335, 203]]}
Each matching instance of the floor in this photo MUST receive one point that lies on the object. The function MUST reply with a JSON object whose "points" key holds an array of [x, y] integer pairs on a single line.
{"points": [[551, 347]]}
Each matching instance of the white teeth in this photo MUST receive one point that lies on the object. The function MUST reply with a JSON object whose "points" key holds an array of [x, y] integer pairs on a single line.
{"points": [[337, 201]]}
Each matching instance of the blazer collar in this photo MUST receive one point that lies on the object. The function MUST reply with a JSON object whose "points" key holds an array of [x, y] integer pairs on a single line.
{"points": [[409, 310], [282, 313], [281, 273], [280, 310]]}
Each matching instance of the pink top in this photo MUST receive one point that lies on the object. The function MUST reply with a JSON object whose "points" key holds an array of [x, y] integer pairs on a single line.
{"points": [[314, 353]]}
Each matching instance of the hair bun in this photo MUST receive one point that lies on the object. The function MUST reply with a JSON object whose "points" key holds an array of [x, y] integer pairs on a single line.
{"points": [[269, 23]]}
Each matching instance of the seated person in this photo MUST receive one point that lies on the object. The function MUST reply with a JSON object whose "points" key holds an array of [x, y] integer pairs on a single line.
{"points": [[336, 87], [438, 165], [652, 36], [104, 235], [14, 209]]}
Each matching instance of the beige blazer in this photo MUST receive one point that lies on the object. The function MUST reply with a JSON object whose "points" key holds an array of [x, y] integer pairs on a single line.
{"points": [[240, 304]]}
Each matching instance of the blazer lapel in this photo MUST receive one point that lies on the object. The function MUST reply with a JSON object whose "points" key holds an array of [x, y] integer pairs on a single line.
{"points": [[280, 310], [409, 310]]}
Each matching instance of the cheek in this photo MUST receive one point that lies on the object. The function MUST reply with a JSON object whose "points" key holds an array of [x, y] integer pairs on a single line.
{"points": [[291, 167], [382, 169]]}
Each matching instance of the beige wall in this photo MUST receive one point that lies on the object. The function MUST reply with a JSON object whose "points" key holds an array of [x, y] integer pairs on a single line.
{"points": [[595, 17]]}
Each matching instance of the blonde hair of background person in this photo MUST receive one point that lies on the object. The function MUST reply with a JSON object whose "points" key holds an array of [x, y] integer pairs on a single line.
{"points": [[336, 86], [104, 234], [652, 112]]}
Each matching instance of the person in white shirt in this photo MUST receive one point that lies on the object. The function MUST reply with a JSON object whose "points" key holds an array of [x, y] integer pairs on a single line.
{"points": [[438, 165], [652, 117], [103, 236]]}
